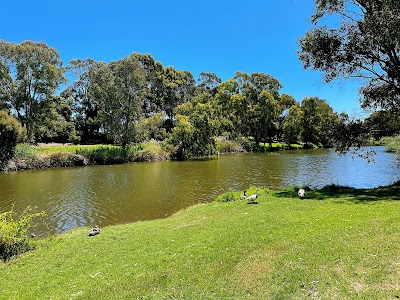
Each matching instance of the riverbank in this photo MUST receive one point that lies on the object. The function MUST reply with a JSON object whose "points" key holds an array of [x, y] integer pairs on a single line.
{"points": [[59, 155], [338, 243]]}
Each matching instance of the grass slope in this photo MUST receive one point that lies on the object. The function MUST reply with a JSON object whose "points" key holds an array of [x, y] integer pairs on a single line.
{"points": [[338, 243]]}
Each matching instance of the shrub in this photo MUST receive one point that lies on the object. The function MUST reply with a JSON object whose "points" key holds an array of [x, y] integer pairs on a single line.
{"points": [[13, 232], [225, 145], [11, 132], [393, 144], [227, 197]]}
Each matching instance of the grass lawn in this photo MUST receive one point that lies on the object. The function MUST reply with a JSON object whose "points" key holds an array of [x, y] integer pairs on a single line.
{"points": [[335, 244]]}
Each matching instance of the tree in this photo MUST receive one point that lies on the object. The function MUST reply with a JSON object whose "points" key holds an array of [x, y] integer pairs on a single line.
{"points": [[318, 122], [209, 81], [154, 90], [56, 123], [366, 45], [194, 131], [11, 132], [119, 89], [30, 73], [178, 87], [383, 123], [84, 105], [292, 124], [262, 103]]}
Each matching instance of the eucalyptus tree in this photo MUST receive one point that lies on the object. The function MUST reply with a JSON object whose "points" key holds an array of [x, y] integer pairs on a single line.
{"points": [[365, 45], [231, 105], [318, 121], [84, 104], [209, 81], [196, 126], [261, 92], [30, 72], [154, 89], [178, 88], [292, 124], [56, 121], [119, 88]]}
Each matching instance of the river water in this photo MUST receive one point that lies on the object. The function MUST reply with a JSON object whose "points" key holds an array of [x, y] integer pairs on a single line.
{"points": [[117, 194]]}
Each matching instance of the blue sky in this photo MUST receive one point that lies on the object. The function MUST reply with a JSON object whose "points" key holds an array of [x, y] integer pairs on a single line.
{"points": [[211, 36]]}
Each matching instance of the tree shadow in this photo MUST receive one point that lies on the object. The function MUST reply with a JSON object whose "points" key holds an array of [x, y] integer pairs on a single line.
{"points": [[345, 194]]}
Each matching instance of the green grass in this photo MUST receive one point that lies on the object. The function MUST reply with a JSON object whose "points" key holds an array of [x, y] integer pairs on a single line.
{"points": [[338, 243]]}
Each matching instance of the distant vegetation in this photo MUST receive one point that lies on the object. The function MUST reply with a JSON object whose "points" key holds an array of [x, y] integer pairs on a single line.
{"points": [[135, 100]]}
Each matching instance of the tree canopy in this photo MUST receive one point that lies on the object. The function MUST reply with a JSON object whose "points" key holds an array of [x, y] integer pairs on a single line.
{"points": [[365, 45], [136, 98]]}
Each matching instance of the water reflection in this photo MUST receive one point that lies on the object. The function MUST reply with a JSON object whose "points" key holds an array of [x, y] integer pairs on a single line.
{"points": [[105, 195]]}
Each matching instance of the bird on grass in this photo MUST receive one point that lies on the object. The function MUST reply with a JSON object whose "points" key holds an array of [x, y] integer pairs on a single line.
{"points": [[95, 230], [252, 197], [301, 193], [243, 196]]}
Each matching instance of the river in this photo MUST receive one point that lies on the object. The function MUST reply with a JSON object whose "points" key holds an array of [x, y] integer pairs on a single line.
{"points": [[117, 194]]}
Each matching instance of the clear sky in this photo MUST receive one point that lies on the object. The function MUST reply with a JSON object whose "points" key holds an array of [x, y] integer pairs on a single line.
{"points": [[220, 36]]}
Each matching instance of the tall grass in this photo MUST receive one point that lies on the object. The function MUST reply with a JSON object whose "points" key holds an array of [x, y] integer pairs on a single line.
{"points": [[34, 157]]}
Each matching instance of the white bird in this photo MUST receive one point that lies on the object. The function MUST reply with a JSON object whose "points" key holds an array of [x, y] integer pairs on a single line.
{"points": [[253, 197], [243, 196], [301, 193]]}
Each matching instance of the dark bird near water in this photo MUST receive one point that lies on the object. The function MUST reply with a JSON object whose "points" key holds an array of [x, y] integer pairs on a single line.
{"points": [[95, 230], [243, 196]]}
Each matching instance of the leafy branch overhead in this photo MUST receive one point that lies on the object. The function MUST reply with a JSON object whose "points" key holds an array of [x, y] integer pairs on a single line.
{"points": [[365, 45]]}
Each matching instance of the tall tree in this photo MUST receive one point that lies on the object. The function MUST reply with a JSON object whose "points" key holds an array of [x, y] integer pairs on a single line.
{"points": [[262, 103], [154, 90], [178, 87], [365, 45], [292, 124], [84, 105], [30, 73], [318, 121], [119, 89], [209, 81]]}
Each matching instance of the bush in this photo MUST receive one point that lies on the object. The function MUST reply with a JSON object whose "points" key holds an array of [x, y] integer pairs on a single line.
{"points": [[13, 232], [227, 197], [393, 144], [11, 132]]}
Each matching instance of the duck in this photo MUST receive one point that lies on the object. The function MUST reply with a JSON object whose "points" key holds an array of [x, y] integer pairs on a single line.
{"points": [[301, 193], [253, 197], [243, 196], [95, 230]]}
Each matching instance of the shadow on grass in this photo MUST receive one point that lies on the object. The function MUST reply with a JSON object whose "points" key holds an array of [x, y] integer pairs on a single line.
{"points": [[342, 193]]}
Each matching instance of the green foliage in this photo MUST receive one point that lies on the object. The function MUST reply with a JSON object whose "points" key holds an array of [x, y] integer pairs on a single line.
{"points": [[227, 197], [13, 232], [194, 131], [365, 44], [393, 144], [152, 128], [11, 132], [318, 122], [225, 145], [37, 73]]}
